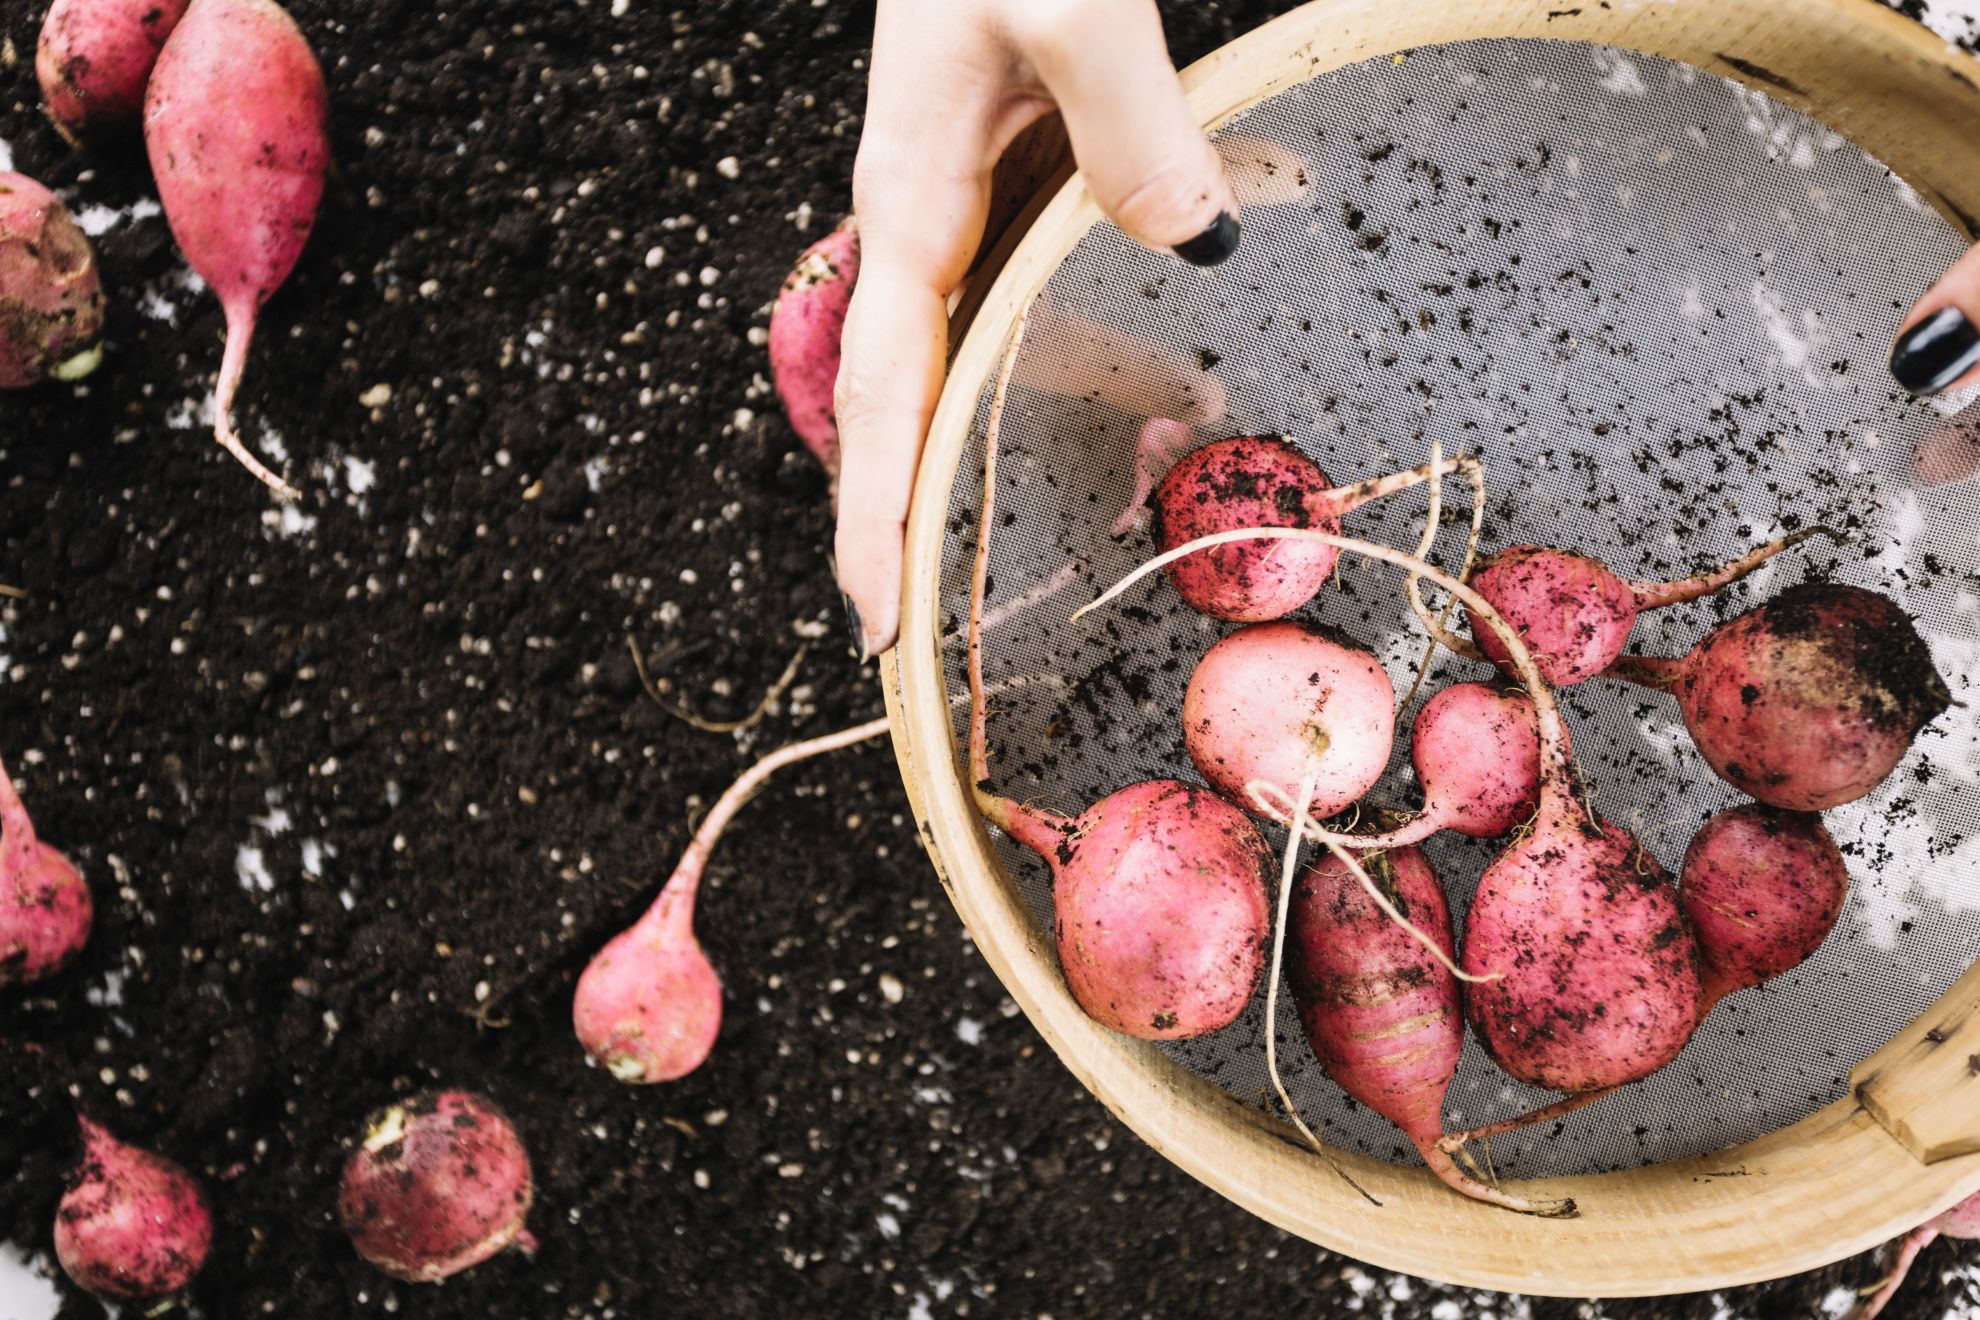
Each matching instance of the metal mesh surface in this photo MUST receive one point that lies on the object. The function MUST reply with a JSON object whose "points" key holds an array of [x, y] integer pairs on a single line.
{"points": [[1658, 304]]}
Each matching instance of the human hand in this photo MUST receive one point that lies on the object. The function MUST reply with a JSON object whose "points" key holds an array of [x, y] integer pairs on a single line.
{"points": [[1938, 344], [952, 84]]}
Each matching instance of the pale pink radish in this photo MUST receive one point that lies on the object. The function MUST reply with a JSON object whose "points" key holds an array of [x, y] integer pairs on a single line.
{"points": [[1575, 615], [1156, 450], [51, 299], [1808, 701], [94, 58], [438, 1183], [649, 1004], [133, 1225], [45, 908], [1158, 889], [805, 326], [1277, 701], [236, 125], [1962, 1221]]}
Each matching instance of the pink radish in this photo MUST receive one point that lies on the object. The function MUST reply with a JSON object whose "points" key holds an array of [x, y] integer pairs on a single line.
{"points": [[133, 1225], [1808, 701], [1574, 614], [94, 58], [805, 327], [45, 908], [1159, 888], [236, 124], [439, 1183], [1259, 481], [1962, 1221], [1276, 701], [1383, 1017], [649, 1004], [51, 301]]}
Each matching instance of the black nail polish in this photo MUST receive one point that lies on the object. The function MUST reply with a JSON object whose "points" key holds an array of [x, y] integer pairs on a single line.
{"points": [[1214, 245], [1936, 352], [858, 632]]}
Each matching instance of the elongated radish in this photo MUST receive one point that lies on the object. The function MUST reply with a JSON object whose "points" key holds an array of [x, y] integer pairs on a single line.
{"points": [[133, 1225], [236, 125], [1575, 615], [805, 327], [94, 58], [45, 908], [1962, 1221], [1158, 889], [51, 298], [1807, 701]]}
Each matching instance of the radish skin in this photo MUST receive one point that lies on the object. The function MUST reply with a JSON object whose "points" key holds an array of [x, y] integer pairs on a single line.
{"points": [[133, 1225], [45, 908], [94, 58], [51, 297], [236, 126], [805, 327], [1962, 1221]]}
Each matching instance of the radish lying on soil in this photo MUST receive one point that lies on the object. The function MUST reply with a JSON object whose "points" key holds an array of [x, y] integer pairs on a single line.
{"points": [[649, 1004], [1575, 614], [1159, 888], [1962, 1221], [45, 908], [805, 327], [440, 1182], [1805, 702], [1260, 481], [1277, 701], [51, 300], [94, 58], [235, 122], [133, 1225]]}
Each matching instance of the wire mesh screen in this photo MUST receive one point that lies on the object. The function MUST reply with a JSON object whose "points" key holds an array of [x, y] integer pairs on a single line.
{"points": [[1658, 304]]}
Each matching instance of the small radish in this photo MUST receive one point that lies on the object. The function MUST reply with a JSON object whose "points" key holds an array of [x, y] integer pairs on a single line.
{"points": [[94, 58], [236, 125], [1277, 701], [649, 1004], [1259, 481], [1962, 1221], [439, 1183], [1159, 889], [1574, 614], [51, 300], [45, 908], [133, 1225], [1807, 701], [805, 327]]}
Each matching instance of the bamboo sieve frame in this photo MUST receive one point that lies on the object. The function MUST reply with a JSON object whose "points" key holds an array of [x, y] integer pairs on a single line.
{"points": [[1904, 1146]]}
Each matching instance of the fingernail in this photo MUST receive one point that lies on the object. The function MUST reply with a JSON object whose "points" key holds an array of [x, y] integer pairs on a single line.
{"points": [[858, 632], [1936, 352], [1214, 245]]}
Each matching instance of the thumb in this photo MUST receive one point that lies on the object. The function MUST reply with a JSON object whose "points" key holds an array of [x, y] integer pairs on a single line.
{"points": [[1143, 155], [1938, 346]]}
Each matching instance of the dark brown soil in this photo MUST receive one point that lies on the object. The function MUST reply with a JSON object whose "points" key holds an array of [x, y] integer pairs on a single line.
{"points": [[534, 242]]}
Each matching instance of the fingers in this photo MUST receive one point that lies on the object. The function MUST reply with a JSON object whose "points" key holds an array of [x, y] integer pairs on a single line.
{"points": [[1938, 346], [1140, 148]]}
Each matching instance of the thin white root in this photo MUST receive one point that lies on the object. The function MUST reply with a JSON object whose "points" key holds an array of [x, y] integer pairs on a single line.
{"points": [[1474, 471], [230, 441], [686, 716]]}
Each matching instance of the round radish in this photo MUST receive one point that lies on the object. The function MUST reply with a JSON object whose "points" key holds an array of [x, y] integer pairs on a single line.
{"points": [[439, 1183], [1962, 1221], [1763, 887], [236, 125], [1574, 614], [94, 58], [805, 327], [133, 1225], [45, 908], [51, 301], [1808, 701], [1277, 701]]}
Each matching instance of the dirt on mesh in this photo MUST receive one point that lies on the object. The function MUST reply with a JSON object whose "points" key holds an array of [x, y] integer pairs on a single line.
{"points": [[359, 786]]}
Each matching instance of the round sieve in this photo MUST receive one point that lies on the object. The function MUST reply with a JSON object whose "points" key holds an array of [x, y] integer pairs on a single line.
{"points": [[1656, 299]]}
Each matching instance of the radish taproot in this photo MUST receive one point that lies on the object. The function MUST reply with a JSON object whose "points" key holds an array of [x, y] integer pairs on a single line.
{"points": [[51, 297], [236, 125], [94, 58], [1271, 701], [438, 1183], [1807, 701], [1158, 889], [1962, 1221], [45, 908], [1260, 481], [133, 1225], [649, 1004], [1575, 614], [805, 326]]}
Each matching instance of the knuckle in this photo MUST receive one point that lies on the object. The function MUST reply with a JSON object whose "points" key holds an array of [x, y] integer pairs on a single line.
{"points": [[1049, 28]]}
